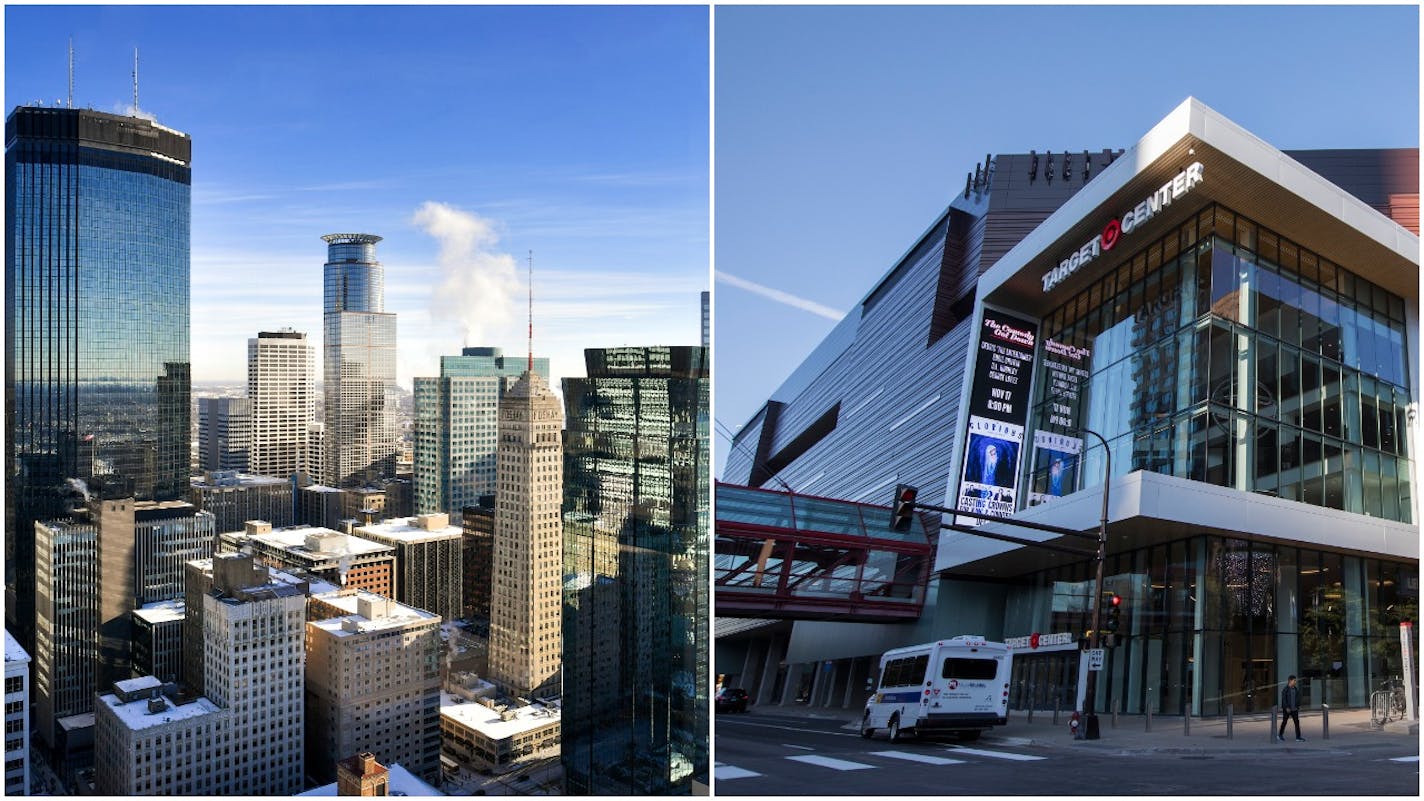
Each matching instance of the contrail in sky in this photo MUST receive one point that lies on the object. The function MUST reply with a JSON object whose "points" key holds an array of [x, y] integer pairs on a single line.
{"points": [[780, 297]]}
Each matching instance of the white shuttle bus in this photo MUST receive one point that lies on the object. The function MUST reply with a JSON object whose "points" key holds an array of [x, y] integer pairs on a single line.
{"points": [[958, 686]]}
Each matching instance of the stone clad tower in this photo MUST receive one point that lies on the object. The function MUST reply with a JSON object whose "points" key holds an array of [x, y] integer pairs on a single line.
{"points": [[525, 615]]}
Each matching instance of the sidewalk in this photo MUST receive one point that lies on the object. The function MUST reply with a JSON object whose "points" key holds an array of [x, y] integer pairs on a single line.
{"points": [[1350, 730]]}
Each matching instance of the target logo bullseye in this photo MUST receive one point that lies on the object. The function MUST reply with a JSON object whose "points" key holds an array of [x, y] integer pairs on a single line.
{"points": [[1111, 234]]}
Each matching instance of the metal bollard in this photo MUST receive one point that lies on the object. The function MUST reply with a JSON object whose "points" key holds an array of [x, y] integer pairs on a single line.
{"points": [[1325, 720], [1116, 706], [1271, 735], [1230, 715], [1057, 702], [1149, 717], [1187, 724]]}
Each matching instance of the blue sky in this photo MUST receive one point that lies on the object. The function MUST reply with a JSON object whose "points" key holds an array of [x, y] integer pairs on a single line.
{"points": [[842, 132], [464, 136]]}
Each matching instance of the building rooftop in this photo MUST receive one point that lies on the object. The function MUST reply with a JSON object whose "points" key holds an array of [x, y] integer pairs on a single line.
{"points": [[318, 542], [421, 528], [130, 686], [136, 715], [368, 612], [231, 478], [162, 611], [402, 782], [13, 651], [491, 723]]}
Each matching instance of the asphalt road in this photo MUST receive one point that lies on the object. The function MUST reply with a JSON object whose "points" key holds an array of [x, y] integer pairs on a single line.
{"points": [[768, 755]]}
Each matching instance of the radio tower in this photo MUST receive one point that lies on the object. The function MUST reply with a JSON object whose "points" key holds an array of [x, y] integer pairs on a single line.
{"points": [[531, 311]]}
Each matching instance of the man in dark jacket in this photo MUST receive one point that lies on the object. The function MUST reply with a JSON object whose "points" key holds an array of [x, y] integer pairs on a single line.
{"points": [[1290, 709]]}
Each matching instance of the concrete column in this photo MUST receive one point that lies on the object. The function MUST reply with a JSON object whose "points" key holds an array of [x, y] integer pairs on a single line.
{"points": [[749, 667], [830, 680], [792, 684], [775, 648], [855, 681]]}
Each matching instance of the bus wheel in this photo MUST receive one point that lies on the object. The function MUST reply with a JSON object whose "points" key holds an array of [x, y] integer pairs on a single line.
{"points": [[896, 736], [865, 730]]}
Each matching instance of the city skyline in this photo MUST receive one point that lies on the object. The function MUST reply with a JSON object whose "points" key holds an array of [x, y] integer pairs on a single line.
{"points": [[604, 179]]}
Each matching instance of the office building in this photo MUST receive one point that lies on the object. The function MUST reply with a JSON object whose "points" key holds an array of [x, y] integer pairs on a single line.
{"points": [[243, 735], [344, 560], [96, 319], [706, 319], [477, 558], [166, 536], [314, 468], [281, 390], [17, 718], [359, 365], [635, 553], [488, 735], [526, 641], [456, 419], [320, 505], [234, 498], [427, 572], [1239, 323], [158, 640], [66, 655], [224, 433], [373, 684]]}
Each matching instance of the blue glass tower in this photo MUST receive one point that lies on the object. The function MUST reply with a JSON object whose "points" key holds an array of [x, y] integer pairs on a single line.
{"points": [[97, 220]]}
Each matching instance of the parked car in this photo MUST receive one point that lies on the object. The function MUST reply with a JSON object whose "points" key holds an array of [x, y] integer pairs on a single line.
{"points": [[733, 699]]}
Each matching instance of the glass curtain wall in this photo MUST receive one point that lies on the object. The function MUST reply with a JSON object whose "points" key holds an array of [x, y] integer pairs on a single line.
{"points": [[1211, 621], [1247, 361]]}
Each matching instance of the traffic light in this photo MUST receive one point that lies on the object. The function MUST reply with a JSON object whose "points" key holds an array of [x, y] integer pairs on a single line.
{"points": [[904, 507], [1114, 612]]}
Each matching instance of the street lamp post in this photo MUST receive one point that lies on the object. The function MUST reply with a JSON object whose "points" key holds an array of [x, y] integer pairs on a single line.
{"points": [[1090, 728]]}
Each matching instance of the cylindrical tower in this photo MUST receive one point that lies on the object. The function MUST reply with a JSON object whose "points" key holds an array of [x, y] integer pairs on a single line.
{"points": [[354, 280]]}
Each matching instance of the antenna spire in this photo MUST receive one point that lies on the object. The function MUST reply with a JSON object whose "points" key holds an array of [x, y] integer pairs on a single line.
{"points": [[531, 312], [71, 72], [135, 77]]}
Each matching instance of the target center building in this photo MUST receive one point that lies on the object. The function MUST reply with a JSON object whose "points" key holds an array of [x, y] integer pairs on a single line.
{"points": [[1239, 324]]}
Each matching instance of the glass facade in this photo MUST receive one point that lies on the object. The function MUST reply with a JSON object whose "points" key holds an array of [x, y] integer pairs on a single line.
{"points": [[97, 315], [1209, 621], [359, 364], [635, 562], [1227, 354]]}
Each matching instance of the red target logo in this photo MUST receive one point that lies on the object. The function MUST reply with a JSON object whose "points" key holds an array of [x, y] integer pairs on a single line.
{"points": [[1111, 234], [1033, 640]]}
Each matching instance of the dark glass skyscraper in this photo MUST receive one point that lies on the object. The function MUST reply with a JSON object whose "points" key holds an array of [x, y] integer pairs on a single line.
{"points": [[635, 567], [96, 318]]}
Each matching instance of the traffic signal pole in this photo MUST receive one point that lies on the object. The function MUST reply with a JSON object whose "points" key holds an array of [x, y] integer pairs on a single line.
{"points": [[1090, 700]]}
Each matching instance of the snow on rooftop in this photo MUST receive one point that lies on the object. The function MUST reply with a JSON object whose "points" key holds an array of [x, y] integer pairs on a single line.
{"points": [[135, 715], [331, 543], [162, 611], [409, 529], [140, 683], [13, 651], [488, 722], [401, 781], [386, 613]]}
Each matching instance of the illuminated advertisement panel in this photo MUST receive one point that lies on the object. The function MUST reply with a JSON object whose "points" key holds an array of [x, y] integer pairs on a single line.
{"points": [[998, 410]]}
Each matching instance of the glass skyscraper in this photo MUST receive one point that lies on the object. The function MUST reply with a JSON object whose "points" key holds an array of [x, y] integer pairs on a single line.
{"points": [[456, 422], [97, 382], [635, 565], [359, 364]]}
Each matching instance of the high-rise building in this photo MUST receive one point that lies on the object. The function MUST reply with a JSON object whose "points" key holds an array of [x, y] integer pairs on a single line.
{"points": [[635, 553], [96, 318], [280, 388], [342, 559], [427, 547], [158, 640], [243, 735], [17, 718], [706, 319], [526, 642], [373, 684], [224, 433], [96, 568], [234, 498], [478, 558], [456, 420], [358, 363]]}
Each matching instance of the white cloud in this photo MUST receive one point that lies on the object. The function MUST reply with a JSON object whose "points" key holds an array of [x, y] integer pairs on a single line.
{"points": [[777, 295], [478, 284]]}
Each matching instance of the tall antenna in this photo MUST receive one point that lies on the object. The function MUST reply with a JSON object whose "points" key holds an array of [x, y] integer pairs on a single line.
{"points": [[135, 77], [531, 312], [71, 72]]}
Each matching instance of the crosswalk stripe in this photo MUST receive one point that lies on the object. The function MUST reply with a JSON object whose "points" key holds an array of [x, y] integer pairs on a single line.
{"points": [[723, 772], [959, 749], [828, 762], [1405, 759], [800, 747], [913, 757]]}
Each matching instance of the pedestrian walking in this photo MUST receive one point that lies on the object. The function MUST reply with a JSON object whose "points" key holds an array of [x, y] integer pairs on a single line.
{"points": [[1290, 709]]}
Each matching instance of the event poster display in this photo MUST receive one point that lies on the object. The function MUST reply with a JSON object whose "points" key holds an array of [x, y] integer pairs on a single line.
{"points": [[1056, 456], [998, 411], [1055, 466]]}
